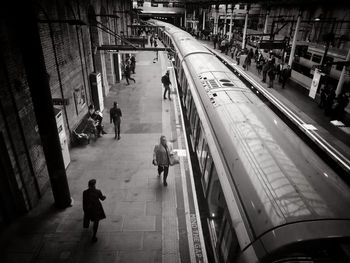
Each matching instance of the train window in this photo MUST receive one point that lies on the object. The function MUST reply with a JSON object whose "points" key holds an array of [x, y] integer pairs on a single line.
{"points": [[216, 204], [197, 135], [307, 55], [316, 58], [194, 122], [339, 67], [229, 246], [188, 101], [193, 117], [203, 156], [208, 171], [200, 140], [329, 59], [226, 242]]}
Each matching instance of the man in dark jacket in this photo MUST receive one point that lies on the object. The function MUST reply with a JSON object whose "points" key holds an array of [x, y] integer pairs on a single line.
{"points": [[93, 210], [127, 73], [285, 75], [115, 115], [166, 82]]}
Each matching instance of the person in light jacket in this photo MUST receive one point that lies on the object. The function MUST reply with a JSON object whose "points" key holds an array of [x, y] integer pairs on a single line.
{"points": [[161, 157]]}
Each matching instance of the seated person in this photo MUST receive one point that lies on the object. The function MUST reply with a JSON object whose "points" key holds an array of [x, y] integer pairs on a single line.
{"points": [[97, 117]]}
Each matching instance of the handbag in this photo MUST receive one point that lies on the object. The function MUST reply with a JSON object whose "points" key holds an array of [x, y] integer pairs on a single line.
{"points": [[174, 159]]}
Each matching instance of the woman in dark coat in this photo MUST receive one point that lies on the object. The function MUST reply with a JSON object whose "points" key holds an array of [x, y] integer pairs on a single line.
{"points": [[93, 210]]}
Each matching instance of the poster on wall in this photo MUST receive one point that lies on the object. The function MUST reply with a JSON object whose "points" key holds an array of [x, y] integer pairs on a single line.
{"points": [[79, 98]]}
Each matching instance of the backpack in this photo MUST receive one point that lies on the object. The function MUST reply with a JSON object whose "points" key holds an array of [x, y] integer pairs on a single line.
{"points": [[164, 79]]}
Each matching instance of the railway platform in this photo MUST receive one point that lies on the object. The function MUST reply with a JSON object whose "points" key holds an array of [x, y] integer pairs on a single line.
{"points": [[294, 97], [145, 221]]}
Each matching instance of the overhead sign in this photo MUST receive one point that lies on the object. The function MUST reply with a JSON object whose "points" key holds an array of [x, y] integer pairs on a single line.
{"points": [[167, 1], [123, 51]]}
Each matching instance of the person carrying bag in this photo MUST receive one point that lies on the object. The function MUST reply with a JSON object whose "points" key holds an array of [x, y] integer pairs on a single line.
{"points": [[163, 157]]}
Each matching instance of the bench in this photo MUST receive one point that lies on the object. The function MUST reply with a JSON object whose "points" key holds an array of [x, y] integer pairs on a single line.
{"points": [[83, 132]]}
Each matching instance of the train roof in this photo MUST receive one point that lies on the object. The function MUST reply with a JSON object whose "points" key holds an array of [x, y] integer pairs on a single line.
{"points": [[183, 40], [279, 178]]}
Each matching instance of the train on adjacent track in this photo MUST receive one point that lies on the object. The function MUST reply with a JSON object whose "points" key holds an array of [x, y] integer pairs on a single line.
{"points": [[270, 197]]}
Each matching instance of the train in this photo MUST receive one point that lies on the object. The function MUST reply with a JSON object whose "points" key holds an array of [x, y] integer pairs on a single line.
{"points": [[309, 56], [270, 197]]}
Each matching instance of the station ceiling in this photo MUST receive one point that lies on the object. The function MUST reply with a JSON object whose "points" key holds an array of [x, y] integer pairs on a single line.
{"points": [[296, 3]]}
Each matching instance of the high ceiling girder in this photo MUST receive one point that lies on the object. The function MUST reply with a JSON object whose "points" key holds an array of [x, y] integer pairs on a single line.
{"points": [[295, 3]]}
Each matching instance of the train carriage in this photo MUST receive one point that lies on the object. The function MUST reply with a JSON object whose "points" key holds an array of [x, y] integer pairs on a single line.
{"points": [[270, 197]]}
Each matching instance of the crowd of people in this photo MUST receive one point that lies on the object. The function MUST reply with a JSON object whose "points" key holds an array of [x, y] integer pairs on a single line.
{"points": [[267, 66], [272, 69]]}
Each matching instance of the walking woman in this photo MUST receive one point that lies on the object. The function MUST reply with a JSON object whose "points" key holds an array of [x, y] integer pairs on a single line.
{"points": [[161, 157]]}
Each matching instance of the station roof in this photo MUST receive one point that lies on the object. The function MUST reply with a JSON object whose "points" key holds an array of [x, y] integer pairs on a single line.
{"points": [[306, 3]]}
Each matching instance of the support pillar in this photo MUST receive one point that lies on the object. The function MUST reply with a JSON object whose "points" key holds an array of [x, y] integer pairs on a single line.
{"points": [[203, 24], [342, 76], [231, 25], [194, 19], [225, 20], [185, 18], [27, 36], [216, 22], [294, 43], [245, 29], [266, 23]]}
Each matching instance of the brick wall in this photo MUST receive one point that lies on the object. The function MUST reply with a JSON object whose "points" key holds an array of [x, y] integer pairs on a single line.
{"points": [[18, 126], [68, 62]]}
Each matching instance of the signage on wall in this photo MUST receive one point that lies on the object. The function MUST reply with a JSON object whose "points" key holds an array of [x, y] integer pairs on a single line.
{"points": [[315, 83], [79, 98]]}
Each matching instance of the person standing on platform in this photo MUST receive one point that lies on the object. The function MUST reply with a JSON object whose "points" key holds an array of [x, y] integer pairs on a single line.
{"points": [[161, 157], [215, 40], [339, 105], [329, 102], [265, 69], [115, 114], [155, 45], [166, 83], [93, 210], [151, 40], [132, 64], [238, 57], [285, 75], [272, 74], [127, 73], [97, 118]]}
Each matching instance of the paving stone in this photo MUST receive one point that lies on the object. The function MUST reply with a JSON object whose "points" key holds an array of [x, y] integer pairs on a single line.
{"points": [[137, 257], [152, 240], [136, 208], [140, 194], [98, 257], [127, 241], [153, 208], [139, 223]]}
